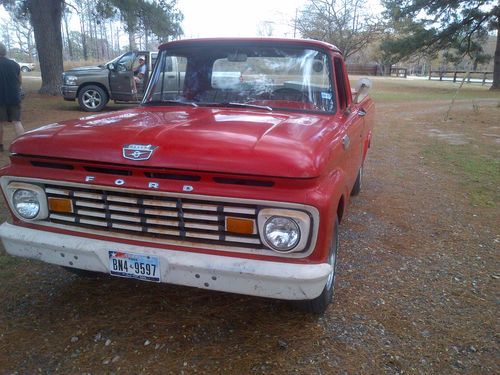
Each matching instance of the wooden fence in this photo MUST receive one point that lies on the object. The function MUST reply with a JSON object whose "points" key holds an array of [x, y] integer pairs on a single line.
{"points": [[398, 72], [458, 75], [360, 69]]}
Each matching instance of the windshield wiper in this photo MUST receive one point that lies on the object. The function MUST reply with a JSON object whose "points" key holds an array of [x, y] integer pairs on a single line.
{"points": [[167, 102], [244, 105]]}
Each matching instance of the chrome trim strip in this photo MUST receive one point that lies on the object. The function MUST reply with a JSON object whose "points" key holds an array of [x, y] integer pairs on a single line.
{"points": [[158, 203], [114, 207], [93, 222], [171, 223], [236, 210], [90, 205], [56, 191], [62, 217], [120, 199], [125, 218], [84, 194], [91, 213], [126, 227], [152, 211]]}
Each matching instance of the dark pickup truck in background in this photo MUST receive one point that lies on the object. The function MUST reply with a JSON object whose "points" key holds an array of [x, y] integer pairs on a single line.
{"points": [[94, 86]]}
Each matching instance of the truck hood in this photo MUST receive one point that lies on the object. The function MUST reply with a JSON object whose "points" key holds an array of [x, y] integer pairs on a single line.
{"points": [[85, 69], [251, 142]]}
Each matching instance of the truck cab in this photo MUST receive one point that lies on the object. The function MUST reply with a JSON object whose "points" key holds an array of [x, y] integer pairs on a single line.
{"points": [[94, 86]]}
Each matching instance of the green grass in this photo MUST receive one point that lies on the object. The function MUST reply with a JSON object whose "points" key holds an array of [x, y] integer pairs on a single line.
{"points": [[479, 174], [387, 89]]}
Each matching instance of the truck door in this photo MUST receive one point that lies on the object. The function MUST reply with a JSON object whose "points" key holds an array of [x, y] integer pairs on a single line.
{"points": [[352, 139], [121, 79]]}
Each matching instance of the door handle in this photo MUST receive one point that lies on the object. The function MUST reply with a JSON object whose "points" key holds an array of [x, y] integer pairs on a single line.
{"points": [[346, 141], [361, 112]]}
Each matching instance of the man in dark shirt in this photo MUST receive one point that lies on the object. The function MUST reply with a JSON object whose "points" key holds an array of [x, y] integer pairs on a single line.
{"points": [[10, 94]]}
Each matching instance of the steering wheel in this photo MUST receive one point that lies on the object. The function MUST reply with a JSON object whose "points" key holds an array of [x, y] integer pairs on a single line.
{"points": [[288, 93]]}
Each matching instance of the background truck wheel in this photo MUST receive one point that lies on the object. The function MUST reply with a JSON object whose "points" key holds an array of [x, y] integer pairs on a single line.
{"points": [[25, 69], [356, 189], [92, 98], [319, 304]]}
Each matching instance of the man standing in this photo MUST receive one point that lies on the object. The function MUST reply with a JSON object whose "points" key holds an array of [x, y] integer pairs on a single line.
{"points": [[10, 94]]}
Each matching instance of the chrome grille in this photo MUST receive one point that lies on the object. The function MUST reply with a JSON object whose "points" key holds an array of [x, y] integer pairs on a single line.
{"points": [[154, 216]]}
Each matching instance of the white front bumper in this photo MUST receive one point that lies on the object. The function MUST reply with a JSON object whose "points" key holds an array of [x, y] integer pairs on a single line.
{"points": [[215, 272]]}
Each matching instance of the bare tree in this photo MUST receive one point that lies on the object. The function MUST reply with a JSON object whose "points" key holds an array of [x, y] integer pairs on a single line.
{"points": [[344, 23], [265, 28]]}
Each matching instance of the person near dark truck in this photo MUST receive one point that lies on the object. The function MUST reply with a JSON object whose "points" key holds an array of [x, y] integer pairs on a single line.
{"points": [[10, 94], [140, 71]]}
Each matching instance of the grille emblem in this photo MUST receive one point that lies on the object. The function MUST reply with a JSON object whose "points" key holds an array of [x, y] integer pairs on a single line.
{"points": [[138, 152]]}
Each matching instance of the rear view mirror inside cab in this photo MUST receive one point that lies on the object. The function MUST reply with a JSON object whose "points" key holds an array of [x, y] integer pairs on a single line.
{"points": [[318, 66], [237, 57]]}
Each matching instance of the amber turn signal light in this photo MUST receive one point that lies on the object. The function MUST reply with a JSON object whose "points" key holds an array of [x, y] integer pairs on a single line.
{"points": [[62, 205], [240, 226]]}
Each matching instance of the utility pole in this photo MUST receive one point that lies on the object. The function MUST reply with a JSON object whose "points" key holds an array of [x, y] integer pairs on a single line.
{"points": [[295, 22]]}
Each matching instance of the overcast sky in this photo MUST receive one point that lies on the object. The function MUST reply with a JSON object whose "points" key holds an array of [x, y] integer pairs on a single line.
{"points": [[215, 18], [226, 18]]}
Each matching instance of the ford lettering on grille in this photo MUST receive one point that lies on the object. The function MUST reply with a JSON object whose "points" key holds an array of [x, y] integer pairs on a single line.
{"points": [[138, 152]]}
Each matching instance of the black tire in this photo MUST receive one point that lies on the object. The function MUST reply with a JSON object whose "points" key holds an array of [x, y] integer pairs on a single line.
{"points": [[92, 98], [25, 69], [319, 304], [83, 273], [356, 189]]}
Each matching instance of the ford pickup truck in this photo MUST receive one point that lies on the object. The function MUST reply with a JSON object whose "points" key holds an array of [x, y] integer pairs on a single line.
{"points": [[227, 183], [94, 86]]}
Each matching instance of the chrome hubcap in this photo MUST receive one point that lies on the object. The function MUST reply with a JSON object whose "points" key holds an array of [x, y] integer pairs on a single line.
{"points": [[91, 99]]}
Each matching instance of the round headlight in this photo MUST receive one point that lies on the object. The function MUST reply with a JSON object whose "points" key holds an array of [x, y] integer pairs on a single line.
{"points": [[281, 233], [26, 203]]}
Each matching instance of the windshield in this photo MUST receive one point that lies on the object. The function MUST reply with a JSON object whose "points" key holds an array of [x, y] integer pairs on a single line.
{"points": [[266, 78]]}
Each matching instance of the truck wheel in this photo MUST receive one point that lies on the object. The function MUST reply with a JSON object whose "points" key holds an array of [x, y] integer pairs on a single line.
{"points": [[356, 189], [319, 304], [25, 69], [92, 98]]}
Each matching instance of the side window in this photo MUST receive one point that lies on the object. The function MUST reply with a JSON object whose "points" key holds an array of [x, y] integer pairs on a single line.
{"points": [[340, 83], [168, 64], [154, 56], [169, 78], [126, 61]]}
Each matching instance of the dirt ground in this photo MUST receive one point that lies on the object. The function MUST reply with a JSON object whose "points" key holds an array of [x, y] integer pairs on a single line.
{"points": [[417, 285]]}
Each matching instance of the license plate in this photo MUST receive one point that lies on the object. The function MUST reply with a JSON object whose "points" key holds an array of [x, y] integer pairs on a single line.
{"points": [[135, 266]]}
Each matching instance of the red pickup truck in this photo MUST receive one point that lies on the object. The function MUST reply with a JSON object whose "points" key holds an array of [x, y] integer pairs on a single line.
{"points": [[232, 175]]}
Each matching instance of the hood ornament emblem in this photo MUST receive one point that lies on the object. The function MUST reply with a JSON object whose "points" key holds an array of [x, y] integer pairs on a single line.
{"points": [[138, 152]]}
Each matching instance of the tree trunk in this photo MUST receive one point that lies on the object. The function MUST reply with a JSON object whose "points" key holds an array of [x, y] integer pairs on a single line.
{"points": [[70, 47], [83, 35], [131, 40], [46, 19], [496, 66]]}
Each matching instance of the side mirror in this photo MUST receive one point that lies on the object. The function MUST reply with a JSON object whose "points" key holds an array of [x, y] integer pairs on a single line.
{"points": [[111, 66], [361, 90]]}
